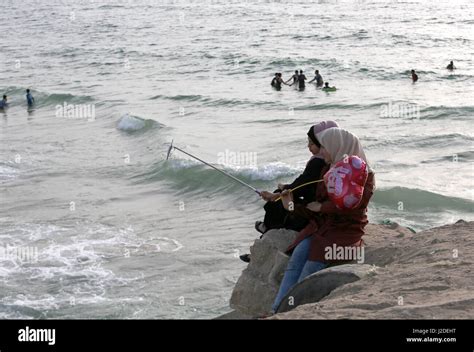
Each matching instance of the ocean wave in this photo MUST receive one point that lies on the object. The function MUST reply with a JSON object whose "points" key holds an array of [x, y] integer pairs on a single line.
{"points": [[456, 77], [71, 262], [459, 157], [440, 112], [189, 175], [130, 123], [47, 99], [414, 199], [410, 111], [61, 98], [209, 101], [422, 141]]}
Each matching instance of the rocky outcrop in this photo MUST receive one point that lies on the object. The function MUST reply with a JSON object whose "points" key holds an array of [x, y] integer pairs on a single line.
{"points": [[257, 287], [320, 284], [404, 275]]}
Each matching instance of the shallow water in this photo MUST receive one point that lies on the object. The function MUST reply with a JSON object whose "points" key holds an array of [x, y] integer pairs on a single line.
{"points": [[119, 232]]}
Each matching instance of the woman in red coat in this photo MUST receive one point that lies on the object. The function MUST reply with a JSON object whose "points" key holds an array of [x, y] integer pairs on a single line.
{"points": [[329, 227]]}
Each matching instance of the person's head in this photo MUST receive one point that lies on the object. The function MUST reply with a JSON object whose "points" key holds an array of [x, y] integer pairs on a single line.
{"points": [[337, 143], [317, 72], [413, 71], [27, 91], [4, 97], [276, 74], [301, 72], [296, 72], [326, 84], [313, 143], [452, 63]]}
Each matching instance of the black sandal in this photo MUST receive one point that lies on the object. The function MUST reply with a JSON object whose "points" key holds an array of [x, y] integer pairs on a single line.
{"points": [[260, 227], [245, 258]]}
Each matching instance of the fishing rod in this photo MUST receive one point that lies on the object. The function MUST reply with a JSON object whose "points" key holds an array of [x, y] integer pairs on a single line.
{"points": [[215, 168], [304, 184]]}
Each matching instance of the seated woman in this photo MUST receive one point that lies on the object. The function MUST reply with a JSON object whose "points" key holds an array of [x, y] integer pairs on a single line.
{"points": [[275, 215], [328, 225]]}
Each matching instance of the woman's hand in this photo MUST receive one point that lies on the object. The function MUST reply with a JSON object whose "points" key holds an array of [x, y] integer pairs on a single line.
{"points": [[267, 196], [287, 200], [314, 206]]}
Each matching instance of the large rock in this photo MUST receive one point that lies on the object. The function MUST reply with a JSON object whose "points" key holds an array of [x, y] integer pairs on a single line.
{"points": [[258, 285], [418, 276], [427, 275], [318, 285], [256, 288]]}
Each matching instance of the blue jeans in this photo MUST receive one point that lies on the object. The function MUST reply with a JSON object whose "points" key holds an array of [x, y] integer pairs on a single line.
{"points": [[298, 268]]}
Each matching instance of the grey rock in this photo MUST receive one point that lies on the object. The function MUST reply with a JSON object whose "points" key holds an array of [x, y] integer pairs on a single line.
{"points": [[258, 285], [318, 285]]}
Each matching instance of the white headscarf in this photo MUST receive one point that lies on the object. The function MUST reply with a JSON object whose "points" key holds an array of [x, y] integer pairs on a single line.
{"points": [[341, 143]]}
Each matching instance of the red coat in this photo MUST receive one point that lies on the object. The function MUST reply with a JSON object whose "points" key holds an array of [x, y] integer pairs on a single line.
{"points": [[332, 225]]}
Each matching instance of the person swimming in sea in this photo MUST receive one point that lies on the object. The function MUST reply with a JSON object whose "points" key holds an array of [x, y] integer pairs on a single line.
{"points": [[327, 88], [294, 78], [277, 81], [301, 79], [414, 76], [3, 102], [451, 66], [318, 78], [274, 80], [29, 98]]}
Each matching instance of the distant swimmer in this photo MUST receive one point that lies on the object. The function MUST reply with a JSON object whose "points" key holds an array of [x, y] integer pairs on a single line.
{"points": [[326, 88], [29, 98], [318, 78], [414, 76], [451, 66], [274, 80], [3, 102], [277, 81], [301, 79], [294, 78]]}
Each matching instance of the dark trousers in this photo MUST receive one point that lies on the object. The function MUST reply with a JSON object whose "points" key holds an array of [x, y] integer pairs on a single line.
{"points": [[277, 217]]}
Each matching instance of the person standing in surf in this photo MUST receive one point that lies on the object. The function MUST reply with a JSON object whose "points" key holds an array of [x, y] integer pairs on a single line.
{"points": [[294, 78], [301, 79], [29, 98], [328, 224], [318, 78], [3, 102], [451, 66], [277, 81], [414, 76], [274, 80]]}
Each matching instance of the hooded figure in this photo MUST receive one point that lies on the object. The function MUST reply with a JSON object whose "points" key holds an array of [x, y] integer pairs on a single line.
{"points": [[329, 227], [340, 143], [275, 215], [340, 226], [315, 130]]}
